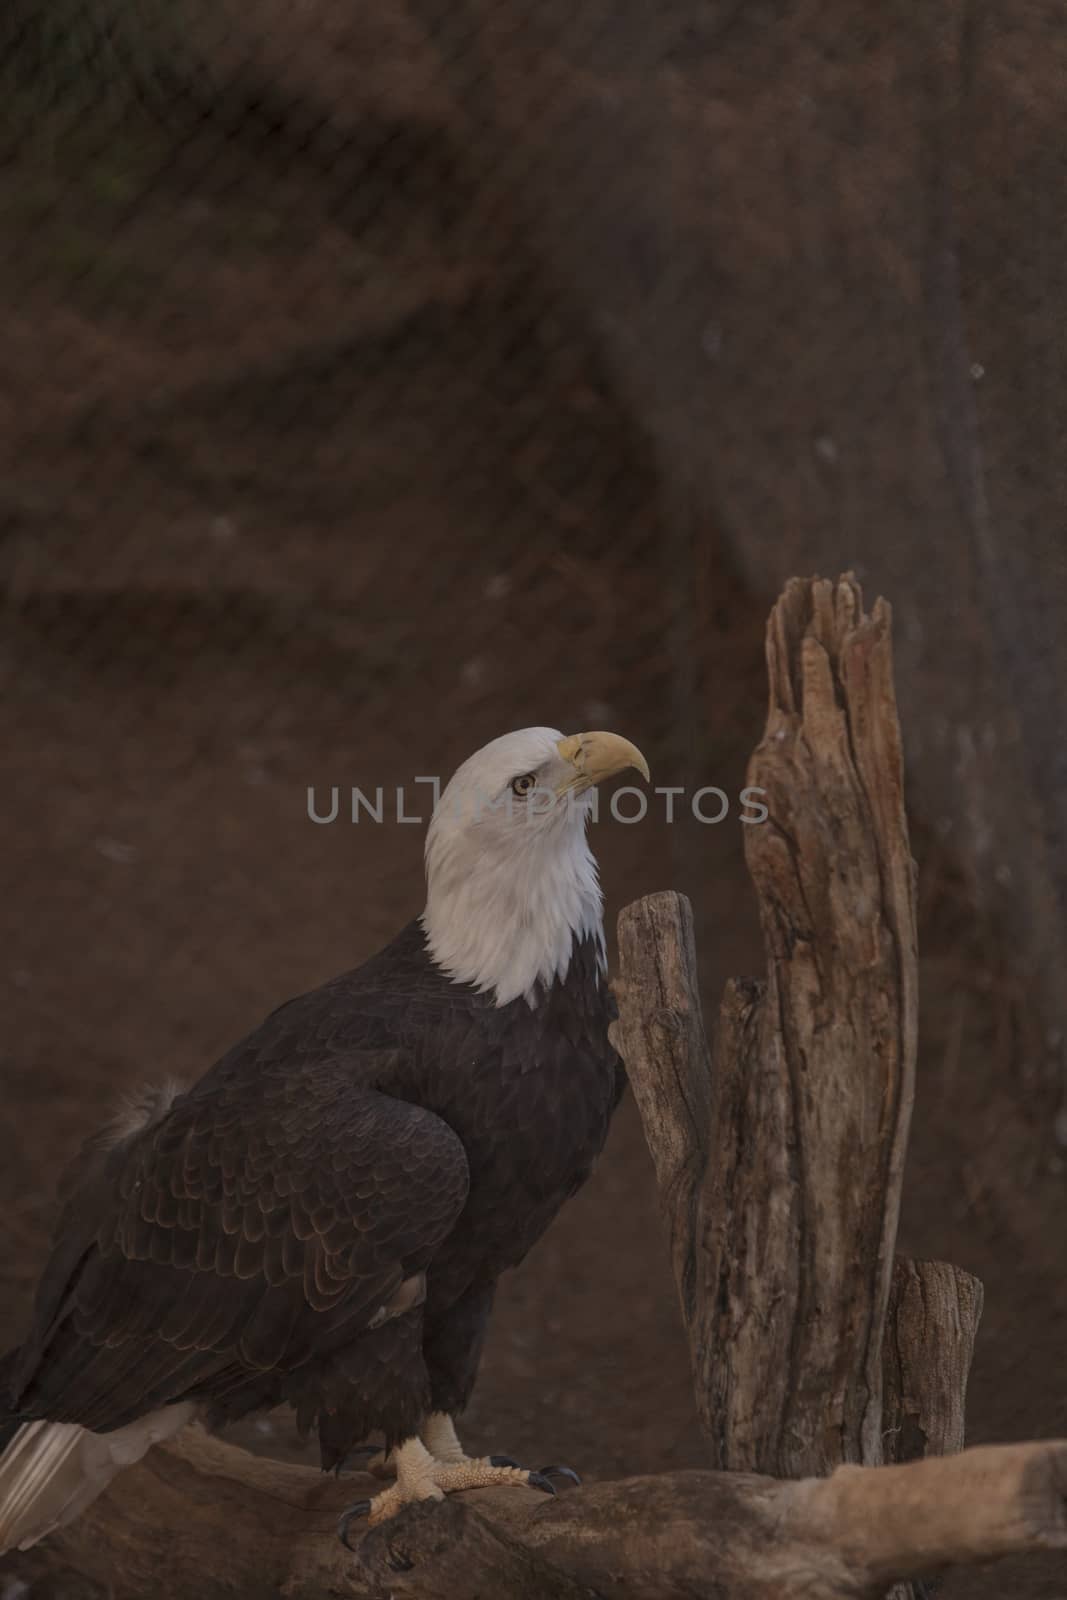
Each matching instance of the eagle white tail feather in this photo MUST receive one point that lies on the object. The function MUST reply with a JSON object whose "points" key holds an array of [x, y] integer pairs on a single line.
{"points": [[51, 1471]]}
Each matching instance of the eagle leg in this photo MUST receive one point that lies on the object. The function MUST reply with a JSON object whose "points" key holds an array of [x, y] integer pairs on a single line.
{"points": [[439, 1435], [441, 1440], [420, 1477]]}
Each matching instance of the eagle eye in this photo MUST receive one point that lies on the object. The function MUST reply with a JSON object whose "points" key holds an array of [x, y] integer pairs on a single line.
{"points": [[521, 786]]}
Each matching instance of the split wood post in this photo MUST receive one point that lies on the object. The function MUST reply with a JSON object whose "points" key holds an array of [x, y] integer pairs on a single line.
{"points": [[930, 1327], [780, 1153]]}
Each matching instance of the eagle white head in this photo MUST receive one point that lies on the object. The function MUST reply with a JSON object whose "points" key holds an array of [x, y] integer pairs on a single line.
{"points": [[511, 882]]}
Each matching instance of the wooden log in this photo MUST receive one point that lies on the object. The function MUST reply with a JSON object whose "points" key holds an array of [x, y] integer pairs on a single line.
{"points": [[931, 1325], [200, 1519], [780, 1168], [660, 1037], [930, 1328]]}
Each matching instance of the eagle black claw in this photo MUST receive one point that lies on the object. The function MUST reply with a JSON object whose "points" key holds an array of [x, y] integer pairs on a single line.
{"points": [[504, 1461], [360, 1509], [537, 1480], [561, 1472]]}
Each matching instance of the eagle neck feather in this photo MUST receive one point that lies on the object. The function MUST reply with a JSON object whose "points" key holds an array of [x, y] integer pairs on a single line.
{"points": [[509, 927]]}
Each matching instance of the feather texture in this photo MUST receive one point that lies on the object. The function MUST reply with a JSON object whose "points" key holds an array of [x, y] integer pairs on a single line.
{"points": [[50, 1471], [249, 1241]]}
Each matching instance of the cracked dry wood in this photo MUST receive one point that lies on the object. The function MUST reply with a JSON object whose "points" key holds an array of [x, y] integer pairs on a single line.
{"points": [[200, 1519], [931, 1324], [780, 1165], [930, 1328]]}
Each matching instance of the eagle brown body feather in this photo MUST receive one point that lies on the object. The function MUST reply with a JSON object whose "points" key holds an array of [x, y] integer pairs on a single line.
{"points": [[323, 1217]]}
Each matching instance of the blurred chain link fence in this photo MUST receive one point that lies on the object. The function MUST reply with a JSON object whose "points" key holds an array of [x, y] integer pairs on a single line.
{"points": [[311, 474], [381, 376]]}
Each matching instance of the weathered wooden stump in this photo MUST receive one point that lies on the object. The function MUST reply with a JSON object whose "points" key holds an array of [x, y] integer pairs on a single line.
{"points": [[779, 1156]]}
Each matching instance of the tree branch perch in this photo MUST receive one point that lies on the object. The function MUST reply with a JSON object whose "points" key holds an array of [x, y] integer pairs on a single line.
{"points": [[202, 1518]]}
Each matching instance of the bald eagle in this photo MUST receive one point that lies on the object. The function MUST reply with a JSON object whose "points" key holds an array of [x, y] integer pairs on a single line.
{"points": [[321, 1220]]}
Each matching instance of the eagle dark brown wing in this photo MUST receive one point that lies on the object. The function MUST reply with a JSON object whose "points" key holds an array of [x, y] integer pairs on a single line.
{"points": [[238, 1234]]}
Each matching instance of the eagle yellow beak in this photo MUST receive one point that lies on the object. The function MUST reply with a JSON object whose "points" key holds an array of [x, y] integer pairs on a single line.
{"points": [[596, 756]]}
